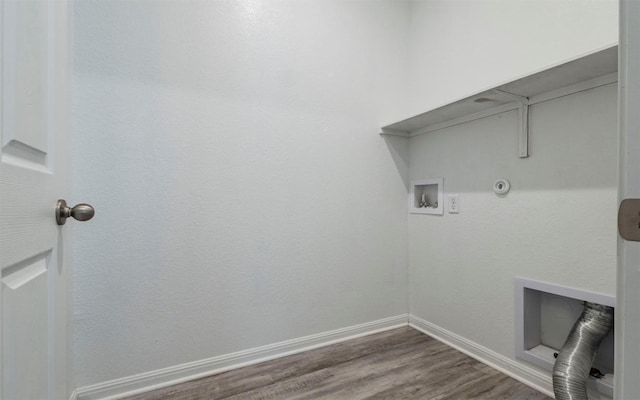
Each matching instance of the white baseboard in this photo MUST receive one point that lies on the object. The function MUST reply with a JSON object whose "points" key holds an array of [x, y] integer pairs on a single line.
{"points": [[507, 366], [148, 381]]}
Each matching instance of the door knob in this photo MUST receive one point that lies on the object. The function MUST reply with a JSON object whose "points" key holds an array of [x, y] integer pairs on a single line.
{"points": [[81, 212]]}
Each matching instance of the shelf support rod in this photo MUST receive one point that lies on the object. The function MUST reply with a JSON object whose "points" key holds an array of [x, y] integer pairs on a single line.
{"points": [[523, 121]]}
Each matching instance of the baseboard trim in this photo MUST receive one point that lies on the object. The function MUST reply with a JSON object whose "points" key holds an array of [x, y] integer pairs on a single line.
{"points": [[507, 366], [185, 372], [161, 378]]}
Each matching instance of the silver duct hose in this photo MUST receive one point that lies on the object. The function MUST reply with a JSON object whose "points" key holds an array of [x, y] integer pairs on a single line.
{"points": [[572, 367]]}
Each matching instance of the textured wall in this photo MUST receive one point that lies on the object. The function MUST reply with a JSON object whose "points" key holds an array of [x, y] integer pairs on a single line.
{"points": [[243, 195], [557, 224], [461, 47]]}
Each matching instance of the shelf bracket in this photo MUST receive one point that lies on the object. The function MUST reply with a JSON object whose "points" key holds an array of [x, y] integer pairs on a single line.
{"points": [[523, 121]]}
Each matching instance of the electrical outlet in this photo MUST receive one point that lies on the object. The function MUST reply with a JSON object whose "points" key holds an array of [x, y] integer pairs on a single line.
{"points": [[453, 203]]}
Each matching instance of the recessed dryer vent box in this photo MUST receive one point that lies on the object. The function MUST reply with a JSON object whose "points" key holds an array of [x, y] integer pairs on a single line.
{"points": [[426, 196], [545, 314]]}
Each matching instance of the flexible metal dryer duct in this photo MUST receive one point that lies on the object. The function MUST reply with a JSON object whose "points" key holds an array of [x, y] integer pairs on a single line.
{"points": [[572, 367]]}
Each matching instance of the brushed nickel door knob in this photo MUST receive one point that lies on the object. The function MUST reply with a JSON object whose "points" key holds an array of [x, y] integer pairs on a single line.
{"points": [[81, 212]]}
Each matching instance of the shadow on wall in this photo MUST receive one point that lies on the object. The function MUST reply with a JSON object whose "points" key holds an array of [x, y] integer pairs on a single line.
{"points": [[573, 146], [399, 150]]}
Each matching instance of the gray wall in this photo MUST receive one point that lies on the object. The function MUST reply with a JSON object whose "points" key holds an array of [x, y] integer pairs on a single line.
{"points": [[557, 224], [243, 195]]}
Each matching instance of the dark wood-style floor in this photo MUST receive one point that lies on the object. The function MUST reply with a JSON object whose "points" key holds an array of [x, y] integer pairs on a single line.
{"points": [[400, 364]]}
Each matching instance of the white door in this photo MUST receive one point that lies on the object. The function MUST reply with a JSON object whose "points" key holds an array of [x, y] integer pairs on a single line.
{"points": [[627, 369], [34, 173]]}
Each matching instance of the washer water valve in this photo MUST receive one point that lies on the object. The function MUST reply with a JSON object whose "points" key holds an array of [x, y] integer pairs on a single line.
{"points": [[501, 186]]}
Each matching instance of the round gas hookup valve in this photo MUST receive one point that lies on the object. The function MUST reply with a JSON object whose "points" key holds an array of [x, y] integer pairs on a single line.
{"points": [[501, 186]]}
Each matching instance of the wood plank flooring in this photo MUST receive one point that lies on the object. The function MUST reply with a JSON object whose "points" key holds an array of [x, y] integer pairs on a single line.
{"points": [[400, 364]]}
